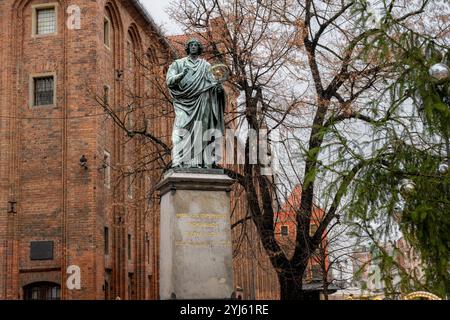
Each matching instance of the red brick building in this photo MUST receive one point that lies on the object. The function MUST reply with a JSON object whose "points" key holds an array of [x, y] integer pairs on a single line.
{"points": [[62, 201], [286, 230]]}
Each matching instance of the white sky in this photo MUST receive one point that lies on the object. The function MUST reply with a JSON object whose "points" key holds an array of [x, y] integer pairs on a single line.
{"points": [[157, 9]]}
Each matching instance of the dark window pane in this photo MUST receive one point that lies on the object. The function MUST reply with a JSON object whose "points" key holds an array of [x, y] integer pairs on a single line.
{"points": [[147, 242], [43, 91], [284, 230], [34, 293], [106, 236], [131, 286], [129, 247], [42, 291]]}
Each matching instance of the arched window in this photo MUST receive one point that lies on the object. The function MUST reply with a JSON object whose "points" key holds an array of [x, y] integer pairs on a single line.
{"points": [[131, 51], [150, 72], [42, 291], [109, 27]]}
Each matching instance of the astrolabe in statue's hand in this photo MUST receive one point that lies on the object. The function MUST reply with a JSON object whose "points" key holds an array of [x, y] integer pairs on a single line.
{"points": [[220, 72]]}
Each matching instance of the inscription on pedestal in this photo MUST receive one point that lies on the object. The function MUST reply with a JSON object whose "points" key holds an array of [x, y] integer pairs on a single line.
{"points": [[202, 230]]}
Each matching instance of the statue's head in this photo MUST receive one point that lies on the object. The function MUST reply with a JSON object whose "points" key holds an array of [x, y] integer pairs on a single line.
{"points": [[194, 46]]}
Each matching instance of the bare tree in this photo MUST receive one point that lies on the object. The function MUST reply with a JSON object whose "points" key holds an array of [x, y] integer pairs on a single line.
{"points": [[301, 69]]}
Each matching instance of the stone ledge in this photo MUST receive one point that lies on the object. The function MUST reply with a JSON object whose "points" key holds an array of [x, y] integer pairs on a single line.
{"points": [[206, 181], [195, 170]]}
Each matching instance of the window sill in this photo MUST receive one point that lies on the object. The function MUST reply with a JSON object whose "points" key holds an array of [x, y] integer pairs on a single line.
{"points": [[44, 106], [39, 36]]}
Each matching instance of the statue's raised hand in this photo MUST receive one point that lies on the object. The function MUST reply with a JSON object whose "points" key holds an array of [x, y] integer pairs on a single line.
{"points": [[181, 75], [185, 71]]}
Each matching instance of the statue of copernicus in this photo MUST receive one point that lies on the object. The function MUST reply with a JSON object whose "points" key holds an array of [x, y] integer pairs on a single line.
{"points": [[199, 103]]}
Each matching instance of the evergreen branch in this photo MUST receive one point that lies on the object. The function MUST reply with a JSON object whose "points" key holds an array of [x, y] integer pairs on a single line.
{"points": [[347, 179]]}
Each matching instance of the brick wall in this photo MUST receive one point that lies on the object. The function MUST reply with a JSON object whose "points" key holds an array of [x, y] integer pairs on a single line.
{"points": [[57, 199]]}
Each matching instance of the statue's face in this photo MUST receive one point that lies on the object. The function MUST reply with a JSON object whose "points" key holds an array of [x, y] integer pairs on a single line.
{"points": [[193, 48]]}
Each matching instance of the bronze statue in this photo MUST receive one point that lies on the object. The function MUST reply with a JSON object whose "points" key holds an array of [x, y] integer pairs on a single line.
{"points": [[199, 103]]}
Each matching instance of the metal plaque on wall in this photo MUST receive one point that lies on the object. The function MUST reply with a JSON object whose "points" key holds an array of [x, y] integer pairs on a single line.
{"points": [[41, 250]]}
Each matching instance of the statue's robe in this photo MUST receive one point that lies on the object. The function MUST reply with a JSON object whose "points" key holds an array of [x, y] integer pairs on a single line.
{"points": [[196, 100]]}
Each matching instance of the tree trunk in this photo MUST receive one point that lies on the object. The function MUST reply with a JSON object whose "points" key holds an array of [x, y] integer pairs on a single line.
{"points": [[325, 292], [291, 287], [325, 282]]}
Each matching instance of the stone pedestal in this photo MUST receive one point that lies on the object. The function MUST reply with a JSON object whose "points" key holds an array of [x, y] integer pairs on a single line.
{"points": [[195, 242]]}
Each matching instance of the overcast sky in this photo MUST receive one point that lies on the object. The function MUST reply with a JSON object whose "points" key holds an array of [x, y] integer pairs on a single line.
{"points": [[157, 8]]}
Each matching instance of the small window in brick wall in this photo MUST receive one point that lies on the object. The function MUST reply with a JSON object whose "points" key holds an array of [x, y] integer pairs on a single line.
{"points": [[129, 53], [44, 20], [130, 186], [106, 239], [129, 247], [147, 244], [43, 91], [107, 169], [284, 231], [106, 32], [42, 291]]}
